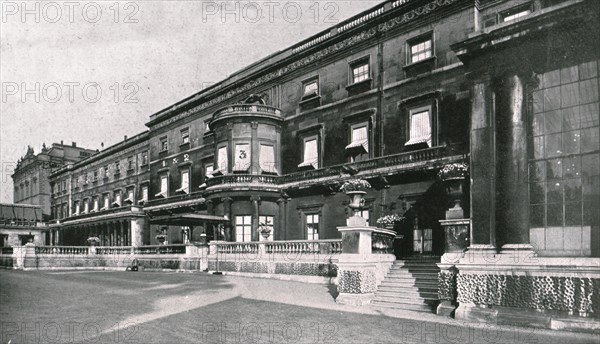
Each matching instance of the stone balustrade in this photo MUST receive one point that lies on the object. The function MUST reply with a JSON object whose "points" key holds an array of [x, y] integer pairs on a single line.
{"points": [[333, 246], [58, 250]]}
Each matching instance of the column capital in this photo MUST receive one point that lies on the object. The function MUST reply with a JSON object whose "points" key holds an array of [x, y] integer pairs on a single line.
{"points": [[255, 198], [254, 124], [227, 200], [282, 201]]}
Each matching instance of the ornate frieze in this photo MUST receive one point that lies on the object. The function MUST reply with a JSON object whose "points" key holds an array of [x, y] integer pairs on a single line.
{"points": [[312, 58]]}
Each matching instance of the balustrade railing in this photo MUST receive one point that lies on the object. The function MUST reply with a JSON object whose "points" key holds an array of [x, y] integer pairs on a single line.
{"points": [[73, 250], [160, 249], [6, 250], [237, 247], [250, 108], [382, 241], [241, 179], [333, 246], [114, 250]]}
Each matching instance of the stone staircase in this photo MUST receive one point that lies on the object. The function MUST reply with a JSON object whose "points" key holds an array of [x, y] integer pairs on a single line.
{"points": [[411, 284]]}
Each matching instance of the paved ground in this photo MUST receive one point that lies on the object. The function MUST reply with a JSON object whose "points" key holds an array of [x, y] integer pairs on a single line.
{"points": [[153, 307]]}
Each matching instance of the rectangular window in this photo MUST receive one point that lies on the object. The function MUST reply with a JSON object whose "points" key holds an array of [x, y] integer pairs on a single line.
{"points": [[267, 159], [77, 208], [208, 170], [358, 148], [185, 182], [117, 167], [360, 71], [130, 196], [164, 146], [420, 49], [515, 13], [117, 199], [310, 153], [267, 222], [312, 226], [185, 135], [310, 87], [130, 163], [419, 126], [95, 176], [242, 157], [86, 206], [222, 159], [106, 202], [106, 171], [95, 208], [144, 194], [145, 158], [164, 186], [564, 158], [243, 228]]}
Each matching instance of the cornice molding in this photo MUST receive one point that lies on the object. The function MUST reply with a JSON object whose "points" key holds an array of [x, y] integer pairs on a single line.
{"points": [[362, 36]]}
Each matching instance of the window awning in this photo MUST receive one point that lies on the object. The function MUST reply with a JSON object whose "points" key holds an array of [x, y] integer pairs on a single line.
{"points": [[309, 164], [418, 140], [361, 144], [187, 219]]}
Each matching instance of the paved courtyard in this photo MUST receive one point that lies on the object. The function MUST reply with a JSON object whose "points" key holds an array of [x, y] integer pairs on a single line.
{"points": [[153, 307]]}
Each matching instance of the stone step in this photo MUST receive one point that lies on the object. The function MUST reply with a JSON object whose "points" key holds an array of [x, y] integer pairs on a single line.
{"points": [[423, 277], [406, 289], [418, 286], [404, 307], [407, 295], [400, 300]]}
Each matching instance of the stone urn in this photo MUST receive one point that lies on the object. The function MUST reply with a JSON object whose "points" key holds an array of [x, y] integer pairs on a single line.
{"points": [[266, 233], [358, 200], [161, 239], [454, 190]]}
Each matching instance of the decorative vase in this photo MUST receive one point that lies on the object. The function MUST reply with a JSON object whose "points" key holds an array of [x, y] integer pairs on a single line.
{"points": [[161, 240], [358, 200], [265, 234], [454, 189], [389, 226]]}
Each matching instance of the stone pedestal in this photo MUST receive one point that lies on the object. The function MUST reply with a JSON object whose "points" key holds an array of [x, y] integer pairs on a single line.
{"points": [[456, 235], [137, 227], [356, 265]]}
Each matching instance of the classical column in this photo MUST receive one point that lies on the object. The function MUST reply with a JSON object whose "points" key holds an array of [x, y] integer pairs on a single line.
{"points": [[137, 226], [483, 166], [281, 232], [512, 214], [255, 213], [210, 210], [122, 235], [227, 202], [128, 233]]}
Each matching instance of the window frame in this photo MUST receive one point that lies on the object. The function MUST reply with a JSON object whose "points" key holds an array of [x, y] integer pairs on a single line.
{"points": [[235, 167], [163, 193], [307, 138], [181, 189], [515, 12], [185, 136], [163, 145], [365, 150], [428, 36], [365, 60], [314, 94], [218, 166], [243, 226], [306, 223]]}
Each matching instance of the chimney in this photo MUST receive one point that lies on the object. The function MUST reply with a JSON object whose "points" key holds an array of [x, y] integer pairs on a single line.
{"points": [[61, 142], [74, 144], [125, 138]]}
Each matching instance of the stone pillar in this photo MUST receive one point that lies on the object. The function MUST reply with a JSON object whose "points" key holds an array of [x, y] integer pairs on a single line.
{"points": [[137, 227], [280, 233], [255, 213], [128, 233], [122, 235], [483, 166], [357, 268], [52, 237], [512, 215], [229, 235]]}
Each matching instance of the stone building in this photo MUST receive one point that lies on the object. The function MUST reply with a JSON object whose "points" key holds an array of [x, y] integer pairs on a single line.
{"points": [[20, 224], [31, 175], [393, 96]]}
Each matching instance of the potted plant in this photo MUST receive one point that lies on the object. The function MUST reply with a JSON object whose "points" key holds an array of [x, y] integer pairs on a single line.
{"points": [[356, 188], [265, 228], [453, 176], [388, 221], [161, 238], [93, 240]]}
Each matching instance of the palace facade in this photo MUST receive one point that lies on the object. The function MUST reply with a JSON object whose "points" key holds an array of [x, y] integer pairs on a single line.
{"points": [[391, 96]]}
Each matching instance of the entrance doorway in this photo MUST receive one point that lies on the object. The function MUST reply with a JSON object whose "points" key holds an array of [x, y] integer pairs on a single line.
{"points": [[423, 241]]}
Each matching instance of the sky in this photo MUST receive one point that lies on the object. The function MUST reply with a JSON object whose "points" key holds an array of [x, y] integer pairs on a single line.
{"points": [[92, 72]]}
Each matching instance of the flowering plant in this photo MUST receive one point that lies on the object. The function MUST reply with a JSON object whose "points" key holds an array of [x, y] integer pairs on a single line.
{"points": [[265, 227], [355, 185], [160, 236], [93, 239], [455, 170], [390, 219]]}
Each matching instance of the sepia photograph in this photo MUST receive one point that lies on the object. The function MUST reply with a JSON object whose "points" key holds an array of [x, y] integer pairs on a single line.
{"points": [[302, 171]]}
